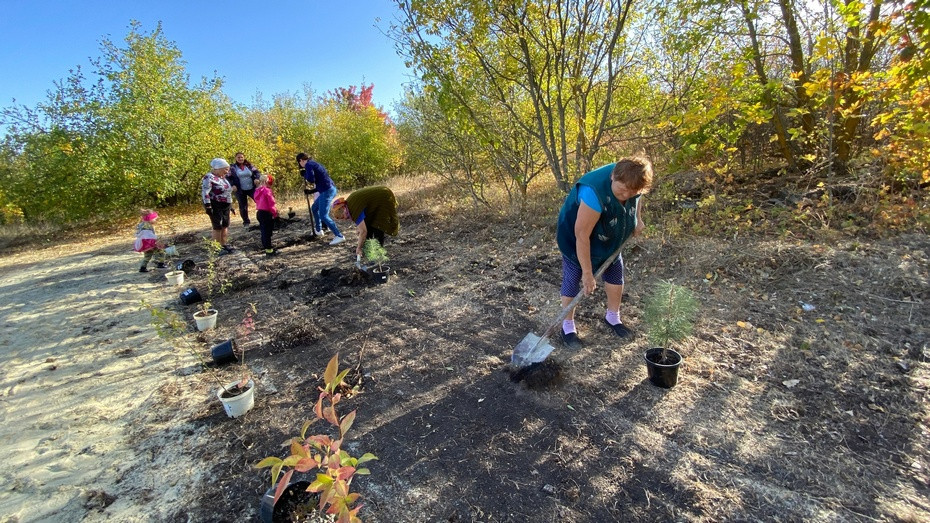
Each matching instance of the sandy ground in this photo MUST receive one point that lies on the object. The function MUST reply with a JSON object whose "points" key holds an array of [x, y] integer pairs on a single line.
{"points": [[82, 371]]}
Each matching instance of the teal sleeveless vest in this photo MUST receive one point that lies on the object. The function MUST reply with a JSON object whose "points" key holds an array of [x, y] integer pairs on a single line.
{"points": [[615, 225]]}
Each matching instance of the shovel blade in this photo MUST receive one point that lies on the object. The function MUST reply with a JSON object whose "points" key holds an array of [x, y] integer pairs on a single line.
{"points": [[531, 349]]}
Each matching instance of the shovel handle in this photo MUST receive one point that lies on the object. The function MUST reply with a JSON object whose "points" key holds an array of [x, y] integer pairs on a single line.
{"points": [[310, 210], [577, 298]]}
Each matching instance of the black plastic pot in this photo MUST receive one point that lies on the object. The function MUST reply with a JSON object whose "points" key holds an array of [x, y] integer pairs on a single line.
{"points": [[224, 352], [662, 373], [379, 276], [294, 495], [190, 296], [187, 266]]}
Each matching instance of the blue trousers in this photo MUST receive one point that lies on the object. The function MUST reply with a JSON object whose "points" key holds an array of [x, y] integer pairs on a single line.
{"points": [[321, 208]]}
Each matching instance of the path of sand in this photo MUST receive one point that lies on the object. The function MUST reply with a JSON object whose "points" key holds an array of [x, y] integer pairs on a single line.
{"points": [[84, 424]]}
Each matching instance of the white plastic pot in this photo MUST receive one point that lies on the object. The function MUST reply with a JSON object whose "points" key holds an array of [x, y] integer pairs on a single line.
{"points": [[238, 405], [205, 321], [175, 277]]}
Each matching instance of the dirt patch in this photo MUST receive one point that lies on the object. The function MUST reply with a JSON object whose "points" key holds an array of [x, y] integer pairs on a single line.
{"points": [[803, 395]]}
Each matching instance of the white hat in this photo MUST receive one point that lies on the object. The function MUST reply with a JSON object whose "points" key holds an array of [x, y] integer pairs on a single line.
{"points": [[218, 163]]}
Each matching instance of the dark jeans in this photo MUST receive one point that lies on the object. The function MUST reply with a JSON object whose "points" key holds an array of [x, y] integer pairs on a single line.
{"points": [[266, 225], [375, 233], [243, 197]]}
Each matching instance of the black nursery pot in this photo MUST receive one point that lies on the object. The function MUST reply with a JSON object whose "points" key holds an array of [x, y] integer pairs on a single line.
{"points": [[224, 352], [187, 266], [294, 495], [379, 276], [190, 296], [662, 374]]}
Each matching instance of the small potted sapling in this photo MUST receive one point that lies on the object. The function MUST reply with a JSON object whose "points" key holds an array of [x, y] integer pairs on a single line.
{"points": [[238, 397], [171, 328], [669, 314], [206, 316], [175, 276], [375, 253]]}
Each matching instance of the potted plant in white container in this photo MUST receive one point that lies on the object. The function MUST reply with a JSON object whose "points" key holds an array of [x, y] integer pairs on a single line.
{"points": [[175, 277], [375, 253], [206, 316], [669, 316], [238, 397], [170, 327]]}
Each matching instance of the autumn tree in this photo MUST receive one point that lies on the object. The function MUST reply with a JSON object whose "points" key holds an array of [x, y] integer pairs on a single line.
{"points": [[355, 139], [139, 134], [554, 68], [901, 124]]}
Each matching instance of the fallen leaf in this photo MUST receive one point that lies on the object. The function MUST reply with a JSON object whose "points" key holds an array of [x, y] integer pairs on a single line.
{"points": [[791, 383]]}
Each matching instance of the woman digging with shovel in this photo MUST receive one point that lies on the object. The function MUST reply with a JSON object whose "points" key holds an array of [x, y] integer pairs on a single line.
{"points": [[317, 175], [601, 212]]}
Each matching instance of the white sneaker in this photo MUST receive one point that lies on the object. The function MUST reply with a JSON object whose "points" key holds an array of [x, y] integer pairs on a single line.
{"points": [[337, 240], [318, 232]]}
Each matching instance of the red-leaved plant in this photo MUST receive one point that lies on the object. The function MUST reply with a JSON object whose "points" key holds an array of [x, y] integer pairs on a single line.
{"points": [[334, 467]]}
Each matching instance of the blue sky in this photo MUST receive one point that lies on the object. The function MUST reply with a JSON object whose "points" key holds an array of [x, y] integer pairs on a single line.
{"points": [[269, 47]]}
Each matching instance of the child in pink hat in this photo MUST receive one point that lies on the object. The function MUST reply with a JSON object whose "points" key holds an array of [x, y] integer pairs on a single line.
{"points": [[146, 241]]}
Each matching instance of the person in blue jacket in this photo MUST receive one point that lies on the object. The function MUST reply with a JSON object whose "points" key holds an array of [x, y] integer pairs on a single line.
{"points": [[601, 212], [326, 190]]}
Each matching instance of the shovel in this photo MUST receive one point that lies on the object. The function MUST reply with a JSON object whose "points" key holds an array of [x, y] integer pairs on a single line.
{"points": [[533, 348], [313, 236]]}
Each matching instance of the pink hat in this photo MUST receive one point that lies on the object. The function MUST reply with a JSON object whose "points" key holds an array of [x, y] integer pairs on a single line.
{"points": [[150, 216]]}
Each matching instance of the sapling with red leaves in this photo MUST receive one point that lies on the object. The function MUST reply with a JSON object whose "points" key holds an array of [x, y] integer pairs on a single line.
{"points": [[322, 453]]}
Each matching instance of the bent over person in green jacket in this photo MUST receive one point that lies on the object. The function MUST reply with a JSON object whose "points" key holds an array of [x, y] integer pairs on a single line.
{"points": [[374, 212]]}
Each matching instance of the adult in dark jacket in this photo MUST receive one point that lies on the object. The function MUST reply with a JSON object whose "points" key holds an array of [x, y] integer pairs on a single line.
{"points": [[243, 177], [601, 212], [326, 191], [374, 212]]}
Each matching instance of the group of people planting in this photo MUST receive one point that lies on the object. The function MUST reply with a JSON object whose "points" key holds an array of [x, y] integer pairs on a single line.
{"points": [[373, 209], [601, 212]]}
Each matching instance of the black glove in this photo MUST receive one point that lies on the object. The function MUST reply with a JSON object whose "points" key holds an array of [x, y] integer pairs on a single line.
{"points": [[208, 209], [308, 191]]}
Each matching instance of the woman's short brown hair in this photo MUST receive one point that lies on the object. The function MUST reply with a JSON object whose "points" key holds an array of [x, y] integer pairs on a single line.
{"points": [[635, 172]]}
